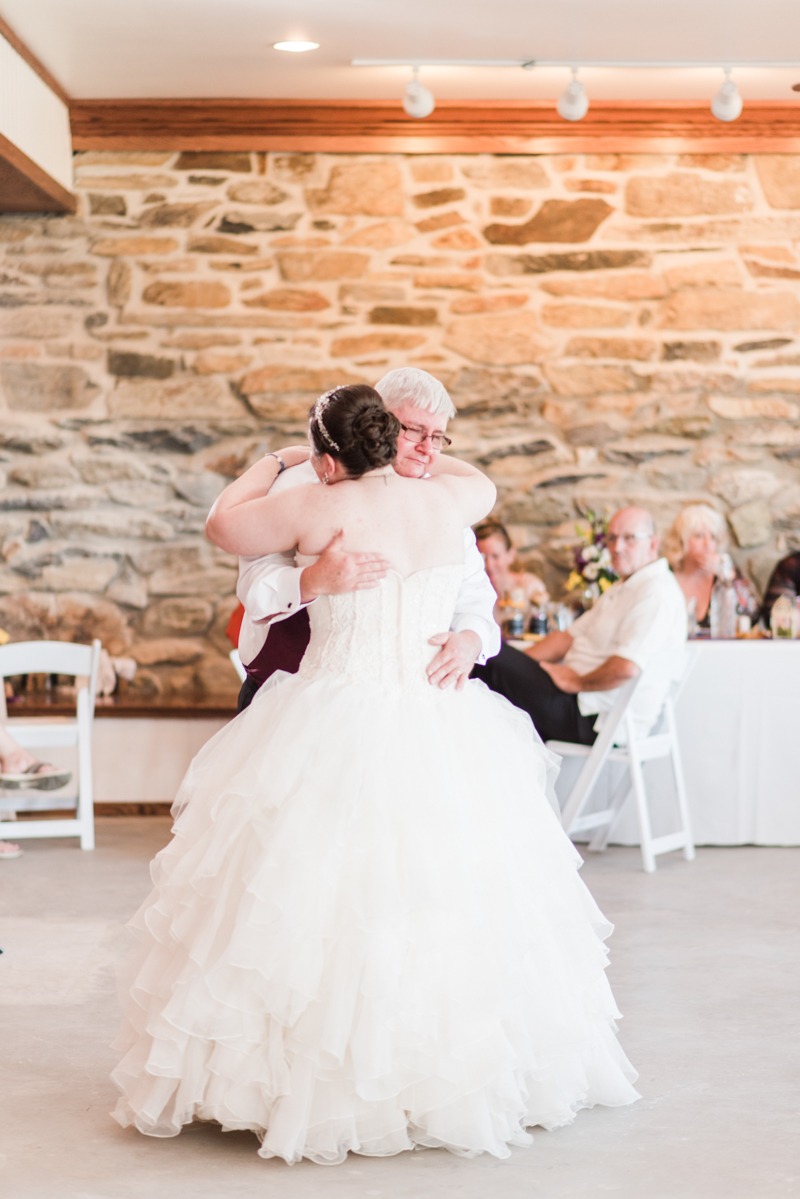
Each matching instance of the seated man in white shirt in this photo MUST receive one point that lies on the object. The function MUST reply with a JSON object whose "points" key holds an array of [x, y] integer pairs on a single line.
{"points": [[568, 680], [274, 592]]}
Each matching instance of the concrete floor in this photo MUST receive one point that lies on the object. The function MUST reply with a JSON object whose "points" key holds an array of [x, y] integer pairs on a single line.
{"points": [[705, 966]]}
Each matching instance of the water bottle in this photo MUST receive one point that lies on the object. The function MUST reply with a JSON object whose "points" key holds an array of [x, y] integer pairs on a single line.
{"points": [[538, 622], [724, 602], [515, 625], [564, 617], [515, 620], [781, 620]]}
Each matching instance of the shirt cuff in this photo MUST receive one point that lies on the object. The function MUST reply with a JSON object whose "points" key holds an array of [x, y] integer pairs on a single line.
{"points": [[287, 593], [488, 632]]}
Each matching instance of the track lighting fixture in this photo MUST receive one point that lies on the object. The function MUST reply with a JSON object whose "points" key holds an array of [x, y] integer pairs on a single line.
{"points": [[417, 100], [573, 104], [727, 104]]}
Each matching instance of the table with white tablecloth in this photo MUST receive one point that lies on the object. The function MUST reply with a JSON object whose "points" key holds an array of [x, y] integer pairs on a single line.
{"points": [[738, 718]]}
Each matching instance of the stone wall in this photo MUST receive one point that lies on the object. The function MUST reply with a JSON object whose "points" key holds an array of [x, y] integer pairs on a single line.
{"points": [[613, 328]]}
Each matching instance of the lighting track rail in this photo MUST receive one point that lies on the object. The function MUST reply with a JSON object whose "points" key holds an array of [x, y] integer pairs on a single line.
{"points": [[528, 64], [573, 104]]}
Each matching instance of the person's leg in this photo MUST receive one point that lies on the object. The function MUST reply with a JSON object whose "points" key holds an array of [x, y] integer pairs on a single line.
{"points": [[18, 767], [246, 692], [8, 750], [522, 681], [12, 756]]}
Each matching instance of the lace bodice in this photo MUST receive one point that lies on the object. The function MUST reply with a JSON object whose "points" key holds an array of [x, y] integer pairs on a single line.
{"points": [[381, 635]]}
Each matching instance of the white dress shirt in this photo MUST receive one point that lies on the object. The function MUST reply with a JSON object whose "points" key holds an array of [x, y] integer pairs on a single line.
{"points": [[269, 588], [642, 619]]}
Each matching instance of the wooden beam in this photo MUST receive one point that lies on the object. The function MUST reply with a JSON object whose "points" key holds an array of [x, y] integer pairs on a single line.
{"points": [[33, 62], [25, 187], [456, 126]]}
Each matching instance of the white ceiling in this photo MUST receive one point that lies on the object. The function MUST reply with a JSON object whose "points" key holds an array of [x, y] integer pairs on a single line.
{"points": [[216, 48]]}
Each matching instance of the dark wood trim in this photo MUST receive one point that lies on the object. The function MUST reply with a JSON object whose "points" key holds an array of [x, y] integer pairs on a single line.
{"points": [[32, 705], [456, 126], [160, 712], [144, 807], [101, 808], [25, 187], [30, 58]]}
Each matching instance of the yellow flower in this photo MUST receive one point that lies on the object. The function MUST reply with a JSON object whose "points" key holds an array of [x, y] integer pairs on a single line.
{"points": [[574, 581], [605, 584], [4, 637]]}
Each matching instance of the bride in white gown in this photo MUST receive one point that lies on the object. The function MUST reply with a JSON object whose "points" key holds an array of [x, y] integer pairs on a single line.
{"points": [[368, 932]]}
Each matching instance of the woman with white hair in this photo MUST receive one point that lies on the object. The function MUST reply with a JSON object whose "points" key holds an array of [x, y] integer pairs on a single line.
{"points": [[695, 548]]}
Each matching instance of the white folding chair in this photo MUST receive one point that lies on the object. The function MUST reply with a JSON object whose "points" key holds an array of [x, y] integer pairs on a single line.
{"points": [[237, 665], [638, 750], [57, 657]]}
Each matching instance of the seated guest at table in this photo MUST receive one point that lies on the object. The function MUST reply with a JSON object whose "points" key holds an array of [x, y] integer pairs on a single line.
{"points": [[499, 555], [694, 547], [784, 580], [569, 679]]}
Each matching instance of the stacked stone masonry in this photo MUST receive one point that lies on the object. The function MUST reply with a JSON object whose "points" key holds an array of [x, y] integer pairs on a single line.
{"points": [[612, 328]]}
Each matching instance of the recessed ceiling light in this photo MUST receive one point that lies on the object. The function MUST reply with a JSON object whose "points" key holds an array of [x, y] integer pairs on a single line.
{"points": [[296, 47]]}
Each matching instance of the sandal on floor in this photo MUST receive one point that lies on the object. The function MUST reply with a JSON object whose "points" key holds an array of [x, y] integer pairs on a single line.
{"points": [[40, 775], [9, 850]]}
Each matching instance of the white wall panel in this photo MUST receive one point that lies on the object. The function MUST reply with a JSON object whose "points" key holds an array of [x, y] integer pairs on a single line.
{"points": [[33, 117]]}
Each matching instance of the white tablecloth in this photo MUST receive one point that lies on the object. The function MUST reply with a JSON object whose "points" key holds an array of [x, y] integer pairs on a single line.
{"points": [[739, 724]]}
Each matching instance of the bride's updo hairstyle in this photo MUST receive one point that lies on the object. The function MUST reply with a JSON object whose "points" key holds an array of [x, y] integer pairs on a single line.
{"points": [[352, 425]]}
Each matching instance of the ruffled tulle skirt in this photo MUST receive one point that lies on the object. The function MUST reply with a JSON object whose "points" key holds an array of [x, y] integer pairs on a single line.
{"points": [[368, 933]]}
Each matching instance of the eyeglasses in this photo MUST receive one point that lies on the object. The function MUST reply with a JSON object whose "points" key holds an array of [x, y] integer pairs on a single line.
{"points": [[420, 436], [627, 538]]}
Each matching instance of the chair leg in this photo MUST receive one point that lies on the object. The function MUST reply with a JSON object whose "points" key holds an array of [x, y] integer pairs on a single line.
{"points": [[617, 802], [680, 786], [85, 789], [580, 794], [640, 796]]}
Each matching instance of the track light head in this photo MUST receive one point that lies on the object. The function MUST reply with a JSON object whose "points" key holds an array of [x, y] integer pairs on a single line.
{"points": [[727, 104], [417, 100], [573, 104]]}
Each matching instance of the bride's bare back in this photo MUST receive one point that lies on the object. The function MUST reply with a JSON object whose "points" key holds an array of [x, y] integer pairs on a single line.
{"points": [[413, 523]]}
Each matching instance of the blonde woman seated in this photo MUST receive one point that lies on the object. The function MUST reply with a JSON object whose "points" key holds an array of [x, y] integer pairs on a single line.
{"points": [[695, 547], [499, 555]]}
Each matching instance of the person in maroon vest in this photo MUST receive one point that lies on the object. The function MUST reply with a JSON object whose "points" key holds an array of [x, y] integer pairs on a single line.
{"points": [[275, 630]]}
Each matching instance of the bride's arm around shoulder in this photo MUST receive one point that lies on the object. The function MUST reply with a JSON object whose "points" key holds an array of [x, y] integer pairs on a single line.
{"points": [[247, 519], [473, 491]]}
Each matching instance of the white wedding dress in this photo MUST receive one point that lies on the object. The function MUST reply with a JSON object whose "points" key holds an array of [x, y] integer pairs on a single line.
{"points": [[368, 932]]}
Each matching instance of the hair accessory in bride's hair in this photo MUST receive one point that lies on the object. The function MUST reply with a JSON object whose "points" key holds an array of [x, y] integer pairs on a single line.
{"points": [[319, 408]]}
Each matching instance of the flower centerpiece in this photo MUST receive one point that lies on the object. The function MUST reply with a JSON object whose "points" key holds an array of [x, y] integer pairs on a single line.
{"points": [[592, 572]]}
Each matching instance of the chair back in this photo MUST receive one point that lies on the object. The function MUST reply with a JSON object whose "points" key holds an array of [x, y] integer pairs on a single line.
{"points": [[52, 657], [690, 658], [680, 678], [237, 665], [613, 719]]}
